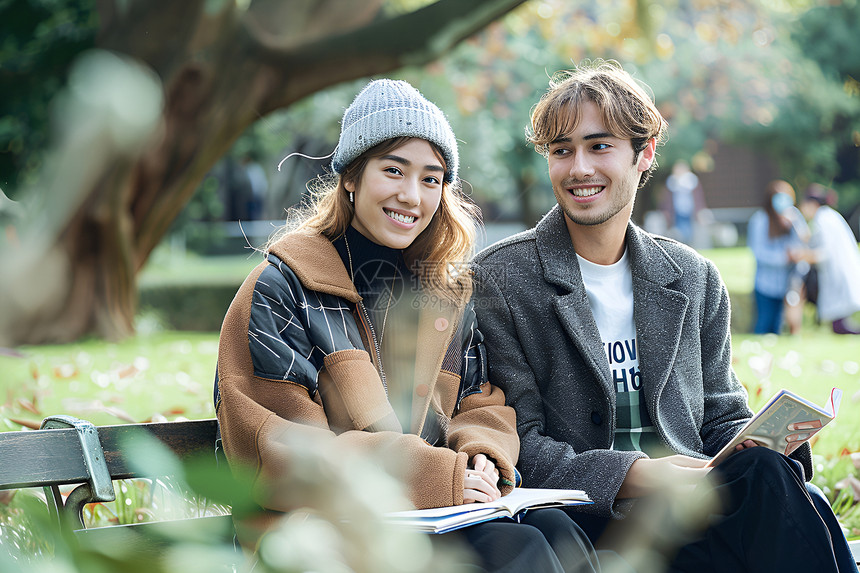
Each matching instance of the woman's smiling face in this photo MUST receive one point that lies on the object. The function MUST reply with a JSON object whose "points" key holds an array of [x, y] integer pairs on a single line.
{"points": [[398, 194]]}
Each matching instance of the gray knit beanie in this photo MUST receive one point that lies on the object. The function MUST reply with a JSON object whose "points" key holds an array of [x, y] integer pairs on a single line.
{"points": [[392, 108]]}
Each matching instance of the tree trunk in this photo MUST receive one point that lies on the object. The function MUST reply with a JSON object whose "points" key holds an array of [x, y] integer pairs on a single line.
{"points": [[221, 71]]}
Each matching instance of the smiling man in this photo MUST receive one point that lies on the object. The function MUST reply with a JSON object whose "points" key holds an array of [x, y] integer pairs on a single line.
{"points": [[613, 347]]}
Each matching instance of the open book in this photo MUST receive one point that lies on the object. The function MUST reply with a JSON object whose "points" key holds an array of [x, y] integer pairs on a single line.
{"points": [[784, 423], [444, 519]]}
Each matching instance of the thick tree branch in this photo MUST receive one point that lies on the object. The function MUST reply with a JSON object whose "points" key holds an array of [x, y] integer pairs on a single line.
{"points": [[157, 32], [222, 66], [411, 39], [289, 24]]}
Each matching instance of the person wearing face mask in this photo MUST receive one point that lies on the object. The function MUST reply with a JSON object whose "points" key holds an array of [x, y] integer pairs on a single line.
{"points": [[358, 327], [774, 234]]}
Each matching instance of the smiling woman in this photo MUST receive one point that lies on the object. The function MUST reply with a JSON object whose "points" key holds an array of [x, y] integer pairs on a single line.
{"points": [[359, 327]]}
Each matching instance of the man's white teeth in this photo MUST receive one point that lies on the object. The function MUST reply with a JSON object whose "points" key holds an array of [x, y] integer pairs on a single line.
{"points": [[399, 217], [586, 192]]}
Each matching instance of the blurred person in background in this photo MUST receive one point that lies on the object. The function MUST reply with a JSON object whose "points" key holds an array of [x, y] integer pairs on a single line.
{"points": [[834, 252], [687, 199], [374, 272], [259, 184], [774, 234]]}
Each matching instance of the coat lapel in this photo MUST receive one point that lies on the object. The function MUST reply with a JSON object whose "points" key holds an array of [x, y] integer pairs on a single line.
{"points": [[314, 260], [561, 269], [659, 311]]}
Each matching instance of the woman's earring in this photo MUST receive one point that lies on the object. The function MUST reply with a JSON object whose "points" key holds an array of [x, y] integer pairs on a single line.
{"points": [[351, 200]]}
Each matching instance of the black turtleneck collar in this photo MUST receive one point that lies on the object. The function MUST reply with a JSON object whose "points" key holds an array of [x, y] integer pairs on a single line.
{"points": [[364, 250], [372, 264]]}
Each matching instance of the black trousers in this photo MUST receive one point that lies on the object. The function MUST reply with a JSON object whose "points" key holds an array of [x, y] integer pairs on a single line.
{"points": [[767, 520], [545, 540]]}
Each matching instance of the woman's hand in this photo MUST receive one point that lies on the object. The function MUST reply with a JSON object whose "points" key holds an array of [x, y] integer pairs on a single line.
{"points": [[480, 481]]}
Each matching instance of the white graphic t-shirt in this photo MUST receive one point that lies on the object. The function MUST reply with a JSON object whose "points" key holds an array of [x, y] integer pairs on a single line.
{"points": [[610, 295]]}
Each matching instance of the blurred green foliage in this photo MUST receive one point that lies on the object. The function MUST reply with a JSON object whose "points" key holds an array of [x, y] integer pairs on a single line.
{"points": [[39, 40]]}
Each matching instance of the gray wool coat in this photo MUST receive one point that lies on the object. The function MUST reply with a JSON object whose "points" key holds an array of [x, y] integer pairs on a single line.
{"points": [[545, 352]]}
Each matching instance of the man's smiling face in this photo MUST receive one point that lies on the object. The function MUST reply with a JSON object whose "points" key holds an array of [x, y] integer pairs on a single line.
{"points": [[594, 174]]}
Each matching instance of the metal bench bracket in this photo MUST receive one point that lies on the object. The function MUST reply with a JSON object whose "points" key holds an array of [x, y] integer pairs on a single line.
{"points": [[99, 487]]}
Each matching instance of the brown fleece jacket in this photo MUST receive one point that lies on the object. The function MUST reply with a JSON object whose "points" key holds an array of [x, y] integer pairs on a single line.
{"points": [[351, 406]]}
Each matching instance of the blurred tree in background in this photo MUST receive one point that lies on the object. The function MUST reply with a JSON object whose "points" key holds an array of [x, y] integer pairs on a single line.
{"points": [[774, 80], [140, 124]]}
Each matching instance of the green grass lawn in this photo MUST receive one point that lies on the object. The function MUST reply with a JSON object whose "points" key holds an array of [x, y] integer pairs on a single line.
{"points": [[167, 375], [736, 265], [165, 268]]}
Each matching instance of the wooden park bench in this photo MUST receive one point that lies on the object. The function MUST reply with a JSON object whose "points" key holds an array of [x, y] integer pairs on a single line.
{"points": [[71, 452]]}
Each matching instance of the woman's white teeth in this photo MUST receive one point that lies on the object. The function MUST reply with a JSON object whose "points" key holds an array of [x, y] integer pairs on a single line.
{"points": [[399, 217], [586, 192]]}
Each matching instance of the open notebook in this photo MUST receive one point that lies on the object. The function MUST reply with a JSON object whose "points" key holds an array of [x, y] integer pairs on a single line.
{"points": [[444, 519]]}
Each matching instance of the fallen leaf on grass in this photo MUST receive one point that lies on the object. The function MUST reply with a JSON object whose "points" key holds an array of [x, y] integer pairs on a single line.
{"points": [[761, 365], [87, 406], [852, 482], [127, 371], [26, 423], [65, 371], [119, 413], [29, 406]]}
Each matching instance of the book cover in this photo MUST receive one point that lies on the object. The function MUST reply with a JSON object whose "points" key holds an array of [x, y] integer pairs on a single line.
{"points": [[444, 519], [784, 423]]}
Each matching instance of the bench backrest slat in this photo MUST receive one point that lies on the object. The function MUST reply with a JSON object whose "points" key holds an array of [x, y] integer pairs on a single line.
{"points": [[41, 458], [54, 457], [187, 440]]}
